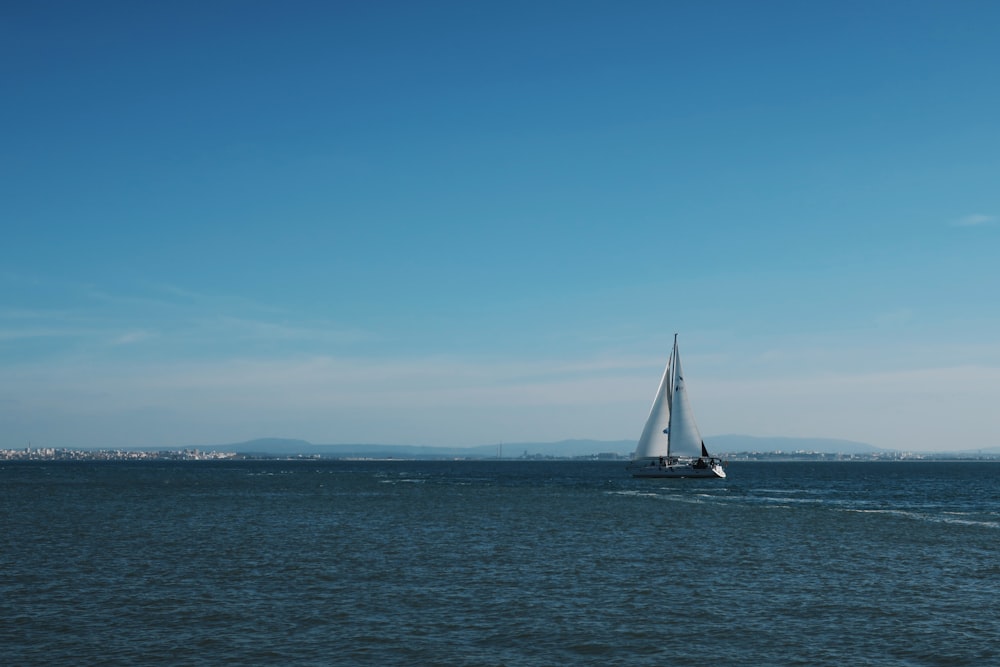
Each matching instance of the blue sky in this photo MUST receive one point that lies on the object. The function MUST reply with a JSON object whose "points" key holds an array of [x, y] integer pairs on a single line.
{"points": [[459, 223]]}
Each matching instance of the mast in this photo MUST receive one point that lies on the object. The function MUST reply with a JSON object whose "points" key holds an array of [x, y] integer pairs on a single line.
{"points": [[670, 390], [673, 374]]}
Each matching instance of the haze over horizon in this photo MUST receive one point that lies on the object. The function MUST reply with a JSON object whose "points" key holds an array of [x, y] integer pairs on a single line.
{"points": [[448, 223]]}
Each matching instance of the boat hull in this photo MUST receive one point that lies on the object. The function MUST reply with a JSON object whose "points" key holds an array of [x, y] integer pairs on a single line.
{"points": [[666, 468]]}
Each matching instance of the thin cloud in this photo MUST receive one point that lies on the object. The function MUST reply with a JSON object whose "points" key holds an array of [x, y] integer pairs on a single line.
{"points": [[894, 318], [280, 332], [325, 399], [974, 220], [213, 301], [31, 333], [911, 409], [131, 337], [108, 319]]}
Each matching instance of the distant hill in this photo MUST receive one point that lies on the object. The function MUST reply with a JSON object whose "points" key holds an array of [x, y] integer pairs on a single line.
{"points": [[748, 443], [563, 449]]}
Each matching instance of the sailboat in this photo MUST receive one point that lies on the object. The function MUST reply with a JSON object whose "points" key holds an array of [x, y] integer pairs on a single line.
{"points": [[670, 445]]}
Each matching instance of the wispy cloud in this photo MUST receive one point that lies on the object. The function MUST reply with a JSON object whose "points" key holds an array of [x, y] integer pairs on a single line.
{"points": [[927, 408], [329, 399], [974, 220], [131, 337], [34, 333], [282, 332], [78, 318], [894, 318]]}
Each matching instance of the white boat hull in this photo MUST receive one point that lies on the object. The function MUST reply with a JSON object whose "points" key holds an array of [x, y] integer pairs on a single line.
{"points": [[663, 468]]}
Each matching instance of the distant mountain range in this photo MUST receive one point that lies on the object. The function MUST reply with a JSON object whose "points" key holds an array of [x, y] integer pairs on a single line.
{"points": [[722, 444], [748, 443]]}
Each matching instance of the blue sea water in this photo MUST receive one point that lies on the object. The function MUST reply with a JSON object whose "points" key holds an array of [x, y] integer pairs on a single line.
{"points": [[498, 563]]}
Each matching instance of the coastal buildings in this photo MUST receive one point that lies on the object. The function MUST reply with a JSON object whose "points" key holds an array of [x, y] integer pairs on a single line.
{"points": [[53, 454]]}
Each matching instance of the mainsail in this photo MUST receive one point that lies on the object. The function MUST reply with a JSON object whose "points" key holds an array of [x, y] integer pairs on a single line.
{"points": [[684, 437]]}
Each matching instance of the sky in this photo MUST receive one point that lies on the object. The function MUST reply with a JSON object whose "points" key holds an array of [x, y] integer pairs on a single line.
{"points": [[464, 223]]}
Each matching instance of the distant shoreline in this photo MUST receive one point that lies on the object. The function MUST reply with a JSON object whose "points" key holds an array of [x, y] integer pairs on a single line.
{"points": [[83, 455]]}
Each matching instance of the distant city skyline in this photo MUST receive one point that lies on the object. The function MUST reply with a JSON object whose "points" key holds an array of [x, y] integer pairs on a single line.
{"points": [[466, 223]]}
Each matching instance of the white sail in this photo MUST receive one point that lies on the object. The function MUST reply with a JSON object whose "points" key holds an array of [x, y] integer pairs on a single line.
{"points": [[653, 441], [684, 437]]}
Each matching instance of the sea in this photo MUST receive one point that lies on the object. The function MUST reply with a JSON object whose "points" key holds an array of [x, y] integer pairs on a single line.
{"points": [[498, 563]]}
